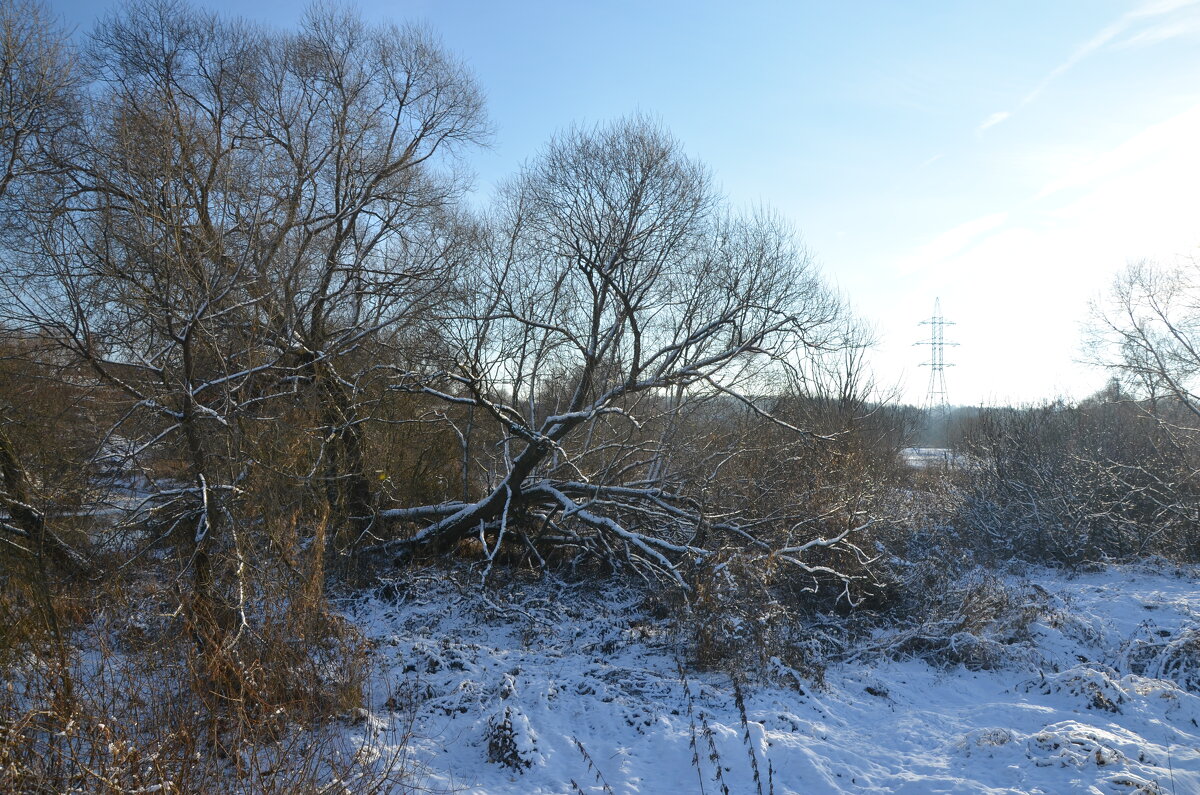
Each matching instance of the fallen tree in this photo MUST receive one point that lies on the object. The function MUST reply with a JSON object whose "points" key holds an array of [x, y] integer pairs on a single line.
{"points": [[613, 302]]}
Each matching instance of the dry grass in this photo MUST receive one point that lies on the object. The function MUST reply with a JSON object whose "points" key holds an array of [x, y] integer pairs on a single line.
{"points": [[134, 703]]}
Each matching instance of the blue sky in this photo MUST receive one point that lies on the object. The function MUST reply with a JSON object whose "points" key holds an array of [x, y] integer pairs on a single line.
{"points": [[1008, 157]]}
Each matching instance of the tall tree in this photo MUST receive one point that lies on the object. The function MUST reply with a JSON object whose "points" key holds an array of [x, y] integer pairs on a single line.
{"points": [[356, 129], [142, 269]]}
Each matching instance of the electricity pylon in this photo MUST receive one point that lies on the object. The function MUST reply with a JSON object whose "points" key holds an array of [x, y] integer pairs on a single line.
{"points": [[937, 401]]}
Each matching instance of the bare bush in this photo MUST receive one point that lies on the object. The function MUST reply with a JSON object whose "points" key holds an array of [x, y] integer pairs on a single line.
{"points": [[1103, 479]]}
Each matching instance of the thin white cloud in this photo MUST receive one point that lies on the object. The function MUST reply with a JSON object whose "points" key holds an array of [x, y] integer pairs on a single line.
{"points": [[932, 160], [993, 120], [1108, 34], [1153, 8], [1147, 10], [1096, 42], [1157, 34]]}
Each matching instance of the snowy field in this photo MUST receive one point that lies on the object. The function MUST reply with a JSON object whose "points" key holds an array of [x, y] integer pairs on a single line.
{"points": [[580, 693]]}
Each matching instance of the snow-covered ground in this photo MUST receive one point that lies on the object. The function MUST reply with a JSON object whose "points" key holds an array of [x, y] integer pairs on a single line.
{"points": [[581, 692]]}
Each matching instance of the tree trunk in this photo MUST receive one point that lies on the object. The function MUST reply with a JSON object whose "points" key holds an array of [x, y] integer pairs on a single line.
{"points": [[348, 490]]}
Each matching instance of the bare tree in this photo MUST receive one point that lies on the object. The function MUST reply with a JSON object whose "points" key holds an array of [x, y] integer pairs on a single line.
{"points": [[1148, 332], [38, 80], [139, 268], [355, 131], [613, 293], [37, 91], [297, 182]]}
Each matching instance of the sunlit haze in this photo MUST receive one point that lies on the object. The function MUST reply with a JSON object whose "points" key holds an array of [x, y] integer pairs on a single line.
{"points": [[1008, 158]]}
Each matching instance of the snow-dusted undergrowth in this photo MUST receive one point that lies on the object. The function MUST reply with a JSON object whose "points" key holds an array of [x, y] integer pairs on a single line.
{"points": [[554, 689]]}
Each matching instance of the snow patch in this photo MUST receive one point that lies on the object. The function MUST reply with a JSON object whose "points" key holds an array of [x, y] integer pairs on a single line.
{"points": [[544, 688]]}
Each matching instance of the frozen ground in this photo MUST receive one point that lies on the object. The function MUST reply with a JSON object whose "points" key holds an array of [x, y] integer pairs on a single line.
{"points": [[580, 693]]}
